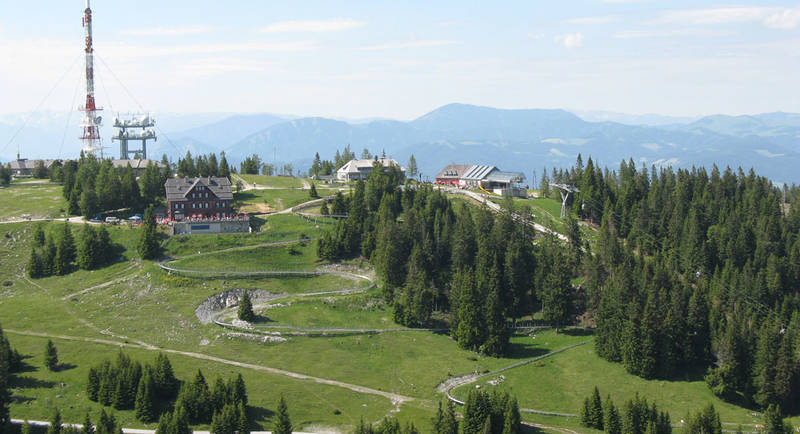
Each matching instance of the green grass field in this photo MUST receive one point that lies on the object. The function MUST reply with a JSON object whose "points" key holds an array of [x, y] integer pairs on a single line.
{"points": [[273, 181], [570, 376], [31, 200], [263, 201], [135, 301], [275, 228], [292, 257]]}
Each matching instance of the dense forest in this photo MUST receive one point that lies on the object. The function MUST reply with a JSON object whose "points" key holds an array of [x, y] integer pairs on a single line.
{"points": [[91, 186], [437, 256], [693, 273]]}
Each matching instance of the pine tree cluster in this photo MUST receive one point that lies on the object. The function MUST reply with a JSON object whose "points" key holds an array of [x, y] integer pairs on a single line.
{"points": [[328, 167], [126, 384], [91, 186], [207, 165], [107, 424], [10, 362], [671, 245], [495, 413], [638, 417], [94, 249], [433, 256]]}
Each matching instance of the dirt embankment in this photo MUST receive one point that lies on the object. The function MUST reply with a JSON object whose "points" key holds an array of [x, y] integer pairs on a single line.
{"points": [[208, 309]]}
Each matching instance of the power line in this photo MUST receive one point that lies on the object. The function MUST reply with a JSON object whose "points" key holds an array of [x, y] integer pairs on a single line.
{"points": [[130, 94], [38, 106]]}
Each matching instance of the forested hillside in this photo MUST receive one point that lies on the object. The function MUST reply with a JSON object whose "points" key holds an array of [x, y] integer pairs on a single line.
{"points": [[694, 273]]}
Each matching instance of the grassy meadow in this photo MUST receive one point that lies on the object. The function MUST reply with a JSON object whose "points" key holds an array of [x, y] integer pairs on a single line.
{"points": [[135, 302]]}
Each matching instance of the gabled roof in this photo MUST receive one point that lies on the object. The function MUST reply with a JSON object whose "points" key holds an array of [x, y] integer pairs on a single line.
{"points": [[24, 163], [355, 166], [454, 171], [178, 188], [136, 163], [478, 173]]}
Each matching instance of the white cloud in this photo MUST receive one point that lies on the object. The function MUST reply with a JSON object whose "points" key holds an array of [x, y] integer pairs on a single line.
{"points": [[557, 153], [666, 161], [786, 19], [604, 19], [651, 146], [555, 141], [168, 31], [668, 33], [534, 35], [408, 44], [312, 26], [771, 17], [768, 154], [724, 15], [135, 51], [570, 40]]}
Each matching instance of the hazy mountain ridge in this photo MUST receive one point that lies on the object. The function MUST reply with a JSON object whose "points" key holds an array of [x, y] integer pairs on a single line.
{"points": [[523, 140]]}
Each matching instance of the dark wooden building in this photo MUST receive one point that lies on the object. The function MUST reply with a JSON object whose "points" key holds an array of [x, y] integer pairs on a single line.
{"points": [[199, 198]]}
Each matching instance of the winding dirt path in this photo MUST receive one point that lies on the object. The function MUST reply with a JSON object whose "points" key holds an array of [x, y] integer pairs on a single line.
{"points": [[395, 398]]}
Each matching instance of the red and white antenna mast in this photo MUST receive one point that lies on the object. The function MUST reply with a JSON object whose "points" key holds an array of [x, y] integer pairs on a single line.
{"points": [[90, 122]]}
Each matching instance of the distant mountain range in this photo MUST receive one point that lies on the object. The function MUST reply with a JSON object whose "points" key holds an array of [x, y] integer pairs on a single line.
{"points": [[520, 140]]}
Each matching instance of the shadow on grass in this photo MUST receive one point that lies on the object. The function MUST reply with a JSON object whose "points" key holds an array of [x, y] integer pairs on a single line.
{"points": [[65, 367], [258, 414], [24, 382], [517, 350], [528, 429], [576, 331]]}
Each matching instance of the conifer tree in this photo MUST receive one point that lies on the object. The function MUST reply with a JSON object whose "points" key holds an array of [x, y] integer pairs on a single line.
{"points": [[324, 208], [596, 416], [773, 421], [283, 425], [164, 381], [50, 356], [242, 424], [312, 193], [48, 257], [35, 268], [38, 236], [239, 390], [149, 247], [245, 312], [224, 170], [470, 333], [145, 398], [612, 422], [87, 428], [411, 170], [512, 422], [65, 252], [55, 423]]}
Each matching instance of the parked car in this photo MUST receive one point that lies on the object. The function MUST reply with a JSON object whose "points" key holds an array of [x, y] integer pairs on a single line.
{"points": [[112, 220]]}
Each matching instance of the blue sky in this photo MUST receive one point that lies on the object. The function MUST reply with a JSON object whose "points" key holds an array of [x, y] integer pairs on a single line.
{"points": [[360, 59]]}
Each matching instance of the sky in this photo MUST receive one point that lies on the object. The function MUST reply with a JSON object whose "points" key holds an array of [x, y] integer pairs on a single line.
{"points": [[364, 59]]}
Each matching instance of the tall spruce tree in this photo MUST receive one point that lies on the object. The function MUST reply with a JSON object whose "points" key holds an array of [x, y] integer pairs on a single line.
{"points": [[50, 356], [283, 424], [145, 399], [149, 247], [65, 252], [245, 312]]}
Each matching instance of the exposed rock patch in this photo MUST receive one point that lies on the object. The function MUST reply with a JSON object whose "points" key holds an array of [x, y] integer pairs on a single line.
{"points": [[208, 309]]}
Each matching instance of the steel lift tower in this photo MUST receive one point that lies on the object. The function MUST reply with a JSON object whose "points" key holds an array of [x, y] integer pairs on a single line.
{"points": [[141, 131], [90, 122], [565, 190]]}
